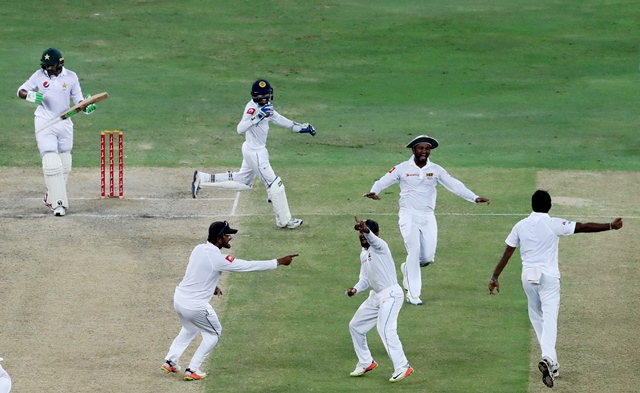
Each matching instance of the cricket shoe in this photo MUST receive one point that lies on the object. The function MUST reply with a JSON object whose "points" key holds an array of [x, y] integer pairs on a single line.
{"points": [[360, 371], [405, 282], [194, 375], [413, 300], [545, 367], [402, 374], [59, 211], [195, 184], [170, 367], [294, 223]]}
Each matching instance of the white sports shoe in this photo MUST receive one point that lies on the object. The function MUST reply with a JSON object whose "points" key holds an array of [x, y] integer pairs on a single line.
{"points": [[294, 223], [405, 282], [195, 184], [360, 371], [59, 211], [414, 300], [401, 374], [546, 368]]}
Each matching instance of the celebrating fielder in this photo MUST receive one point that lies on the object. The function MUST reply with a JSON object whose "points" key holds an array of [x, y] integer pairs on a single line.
{"points": [[418, 178], [258, 113], [537, 236], [51, 88], [381, 308]]}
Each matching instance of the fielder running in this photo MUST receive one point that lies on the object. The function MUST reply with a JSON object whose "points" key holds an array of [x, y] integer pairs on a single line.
{"points": [[538, 238], [378, 271], [258, 113], [51, 88], [418, 178], [193, 294]]}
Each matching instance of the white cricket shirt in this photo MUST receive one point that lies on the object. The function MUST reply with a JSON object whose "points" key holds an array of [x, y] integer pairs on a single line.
{"points": [[377, 269], [205, 267], [57, 92], [256, 135], [538, 237], [418, 185]]}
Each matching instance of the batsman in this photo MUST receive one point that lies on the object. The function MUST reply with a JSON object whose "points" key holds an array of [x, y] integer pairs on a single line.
{"points": [[52, 88]]}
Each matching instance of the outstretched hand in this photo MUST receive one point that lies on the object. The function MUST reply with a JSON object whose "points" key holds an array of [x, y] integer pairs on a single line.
{"points": [[287, 260], [494, 284], [361, 225], [351, 291], [372, 195], [483, 200], [217, 291], [617, 223]]}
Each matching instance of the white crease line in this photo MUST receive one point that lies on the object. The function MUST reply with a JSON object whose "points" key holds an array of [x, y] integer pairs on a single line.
{"points": [[235, 204]]}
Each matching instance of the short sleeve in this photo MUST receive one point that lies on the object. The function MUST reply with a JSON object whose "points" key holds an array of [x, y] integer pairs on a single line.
{"points": [[562, 227], [513, 240]]}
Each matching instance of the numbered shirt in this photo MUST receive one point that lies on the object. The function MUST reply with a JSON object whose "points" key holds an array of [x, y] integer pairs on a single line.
{"points": [[206, 265], [538, 236], [377, 269], [256, 135], [57, 92], [418, 185]]}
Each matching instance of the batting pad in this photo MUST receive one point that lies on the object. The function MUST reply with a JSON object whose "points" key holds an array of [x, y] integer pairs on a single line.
{"points": [[228, 185], [54, 179], [278, 198], [66, 164]]}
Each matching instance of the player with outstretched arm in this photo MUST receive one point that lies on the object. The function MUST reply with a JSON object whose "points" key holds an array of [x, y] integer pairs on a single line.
{"points": [[258, 113], [538, 238]]}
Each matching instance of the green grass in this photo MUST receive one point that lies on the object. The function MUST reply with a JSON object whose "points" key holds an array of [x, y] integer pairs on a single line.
{"points": [[507, 87]]}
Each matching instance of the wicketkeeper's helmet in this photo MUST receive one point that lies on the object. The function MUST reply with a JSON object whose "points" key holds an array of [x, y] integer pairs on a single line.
{"points": [[51, 56], [260, 90]]}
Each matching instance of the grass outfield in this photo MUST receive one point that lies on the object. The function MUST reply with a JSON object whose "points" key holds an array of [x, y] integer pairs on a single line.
{"points": [[507, 87]]}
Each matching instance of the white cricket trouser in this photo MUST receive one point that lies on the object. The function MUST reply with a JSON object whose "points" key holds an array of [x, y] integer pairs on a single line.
{"points": [[420, 233], [193, 321], [379, 309], [544, 304], [57, 138], [255, 163], [5, 381]]}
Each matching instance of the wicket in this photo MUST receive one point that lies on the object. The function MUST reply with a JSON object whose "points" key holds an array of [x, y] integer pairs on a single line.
{"points": [[111, 163]]}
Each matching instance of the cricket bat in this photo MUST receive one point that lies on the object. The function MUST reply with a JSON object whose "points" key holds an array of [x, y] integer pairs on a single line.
{"points": [[75, 109]]}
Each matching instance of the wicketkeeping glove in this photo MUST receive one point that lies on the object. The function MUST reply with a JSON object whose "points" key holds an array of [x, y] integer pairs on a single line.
{"points": [[307, 128], [35, 97], [89, 108], [265, 111]]}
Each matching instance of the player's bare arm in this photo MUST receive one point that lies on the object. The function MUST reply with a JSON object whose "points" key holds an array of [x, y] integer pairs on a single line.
{"points": [[583, 227], [493, 282]]}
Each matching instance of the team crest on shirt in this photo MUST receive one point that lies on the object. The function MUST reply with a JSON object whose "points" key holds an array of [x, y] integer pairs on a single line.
{"points": [[45, 84], [251, 111], [429, 175], [229, 258], [64, 86]]}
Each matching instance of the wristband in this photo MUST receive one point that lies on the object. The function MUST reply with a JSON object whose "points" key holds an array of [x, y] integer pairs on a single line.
{"points": [[610, 226], [493, 279]]}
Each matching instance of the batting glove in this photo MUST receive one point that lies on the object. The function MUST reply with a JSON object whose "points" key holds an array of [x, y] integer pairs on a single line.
{"points": [[307, 128], [35, 97], [89, 108]]}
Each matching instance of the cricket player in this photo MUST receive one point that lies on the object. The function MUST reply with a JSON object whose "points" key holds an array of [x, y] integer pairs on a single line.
{"points": [[378, 271], [418, 178], [5, 380], [193, 294], [538, 237], [258, 113], [51, 88]]}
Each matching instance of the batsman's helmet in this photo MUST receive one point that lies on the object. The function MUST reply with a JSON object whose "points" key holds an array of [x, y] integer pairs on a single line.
{"points": [[260, 90], [51, 56]]}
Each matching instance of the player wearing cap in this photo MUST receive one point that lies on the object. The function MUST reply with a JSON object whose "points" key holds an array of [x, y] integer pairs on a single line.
{"points": [[258, 113], [5, 380], [418, 178], [193, 294], [538, 237], [52, 88], [381, 308]]}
